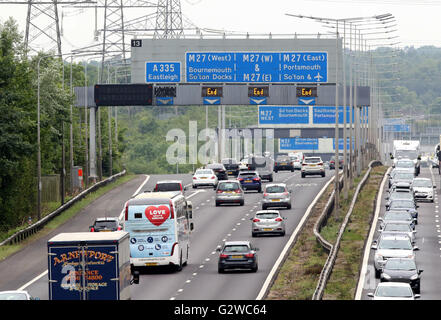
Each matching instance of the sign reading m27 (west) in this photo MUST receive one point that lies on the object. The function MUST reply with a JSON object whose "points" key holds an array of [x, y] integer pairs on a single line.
{"points": [[257, 67]]}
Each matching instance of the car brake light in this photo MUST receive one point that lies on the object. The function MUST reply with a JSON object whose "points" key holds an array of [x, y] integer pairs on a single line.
{"points": [[213, 177], [265, 194], [285, 193], [256, 179], [256, 220], [279, 219], [119, 229], [249, 255], [240, 179], [320, 164], [126, 215], [223, 256], [238, 191], [92, 230], [219, 191], [303, 164], [194, 178]]}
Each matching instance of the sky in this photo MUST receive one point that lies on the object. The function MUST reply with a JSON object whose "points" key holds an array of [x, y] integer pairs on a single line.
{"points": [[417, 21]]}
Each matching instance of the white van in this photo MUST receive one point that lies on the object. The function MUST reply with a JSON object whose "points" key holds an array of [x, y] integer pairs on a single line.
{"points": [[159, 224]]}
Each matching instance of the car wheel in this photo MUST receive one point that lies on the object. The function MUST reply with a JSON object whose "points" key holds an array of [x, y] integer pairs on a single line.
{"points": [[377, 273], [242, 203], [179, 266], [417, 290], [282, 233], [253, 234], [264, 207], [288, 207], [195, 187], [303, 175], [323, 175], [217, 204], [275, 171], [259, 190], [220, 270], [254, 269], [271, 179]]}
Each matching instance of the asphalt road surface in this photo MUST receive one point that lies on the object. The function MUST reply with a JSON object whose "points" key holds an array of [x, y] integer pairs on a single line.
{"points": [[199, 280], [428, 240]]}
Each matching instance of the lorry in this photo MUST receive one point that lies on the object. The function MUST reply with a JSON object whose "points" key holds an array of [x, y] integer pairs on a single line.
{"points": [[407, 149], [90, 266]]}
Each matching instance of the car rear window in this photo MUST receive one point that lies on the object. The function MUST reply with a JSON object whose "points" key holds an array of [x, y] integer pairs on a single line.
{"points": [[267, 215], [275, 189], [397, 227], [247, 174], [283, 158], [312, 160], [106, 224], [236, 248], [228, 186], [169, 186], [203, 172]]}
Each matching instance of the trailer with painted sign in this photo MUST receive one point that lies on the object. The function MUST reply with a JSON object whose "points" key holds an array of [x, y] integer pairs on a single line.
{"points": [[90, 266]]}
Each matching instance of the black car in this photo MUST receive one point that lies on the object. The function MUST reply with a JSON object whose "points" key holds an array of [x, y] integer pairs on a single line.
{"points": [[219, 170], [283, 163], [231, 165], [105, 225], [402, 270], [237, 255]]}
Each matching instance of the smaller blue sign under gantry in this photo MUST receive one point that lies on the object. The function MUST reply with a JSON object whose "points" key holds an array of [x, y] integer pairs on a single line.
{"points": [[283, 115]]}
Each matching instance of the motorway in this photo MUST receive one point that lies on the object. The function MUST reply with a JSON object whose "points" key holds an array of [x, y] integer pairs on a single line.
{"points": [[428, 240], [199, 280]]}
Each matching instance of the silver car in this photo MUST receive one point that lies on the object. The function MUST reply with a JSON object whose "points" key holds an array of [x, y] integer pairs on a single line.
{"points": [[397, 216], [391, 246], [267, 222], [398, 228], [393, 291], [405, 165], [229, 191], [276, 195], [404, 179]]}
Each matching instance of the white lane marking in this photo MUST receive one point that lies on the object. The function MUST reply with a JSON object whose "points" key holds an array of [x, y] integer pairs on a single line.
{"points": [[367, 249], [32, 281], [121, 216], [193, 194]]}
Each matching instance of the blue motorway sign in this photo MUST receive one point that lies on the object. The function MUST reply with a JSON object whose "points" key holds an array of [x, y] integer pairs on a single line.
{"points": [[257, 67], [283, 115], [162, 72], [326, 115], [299, 143], [396, 128]]}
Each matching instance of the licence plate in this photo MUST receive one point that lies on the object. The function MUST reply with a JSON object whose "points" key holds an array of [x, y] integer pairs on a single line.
{"points": [[151, 264], [268, 229], [106, 230], [230, 172], [237, 257], [248, 181], [203, 177], [228, 191], [275, 200], [312, 165], [283, 163]]}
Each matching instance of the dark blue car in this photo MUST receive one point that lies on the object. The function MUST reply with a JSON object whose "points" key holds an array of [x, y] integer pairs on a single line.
{"points": [[250, 180]]}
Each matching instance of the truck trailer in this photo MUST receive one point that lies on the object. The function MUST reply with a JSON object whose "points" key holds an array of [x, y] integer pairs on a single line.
{"points": [[90, 266]]}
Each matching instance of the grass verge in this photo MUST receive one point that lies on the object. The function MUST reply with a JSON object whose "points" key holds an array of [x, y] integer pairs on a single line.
{"points": [[343, 280], [300, 273], [7, 250]]}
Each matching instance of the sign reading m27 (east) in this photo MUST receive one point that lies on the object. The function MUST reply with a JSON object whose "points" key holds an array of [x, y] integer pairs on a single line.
{"points": [[257, 67]]}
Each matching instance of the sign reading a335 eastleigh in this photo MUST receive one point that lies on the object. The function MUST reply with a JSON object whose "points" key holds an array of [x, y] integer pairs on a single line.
{"points": [[257, 67]]}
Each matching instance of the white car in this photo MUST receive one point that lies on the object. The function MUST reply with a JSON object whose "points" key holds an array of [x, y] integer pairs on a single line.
{"points": [[312, 166], [393, 291], [204, 177], [423, 189], [391, 246], [16, 295]]}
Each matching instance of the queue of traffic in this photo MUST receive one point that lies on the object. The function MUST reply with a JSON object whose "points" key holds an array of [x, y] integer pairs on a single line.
{"points": [[395, 262], [160, 222]]}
